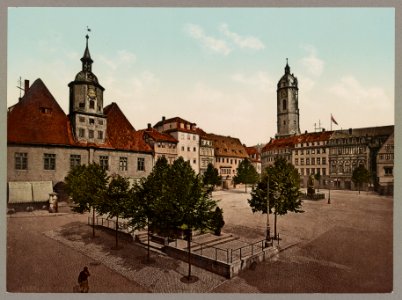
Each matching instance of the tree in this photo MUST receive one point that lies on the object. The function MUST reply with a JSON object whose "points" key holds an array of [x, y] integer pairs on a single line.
{"points": [[284, 190], [360, 175], [187, 204], [246, 174], [146, 205], [211, 176], [115, 200], [86, 185]]}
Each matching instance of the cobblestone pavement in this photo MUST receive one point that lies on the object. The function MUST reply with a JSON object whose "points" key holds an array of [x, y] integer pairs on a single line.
{"points": [[345, 246]]}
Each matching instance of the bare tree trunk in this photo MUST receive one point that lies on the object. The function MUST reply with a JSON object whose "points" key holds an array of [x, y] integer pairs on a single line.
{"points": [[189, 253], [117, 230], [148, 254], [275, 219], [93, 221]]}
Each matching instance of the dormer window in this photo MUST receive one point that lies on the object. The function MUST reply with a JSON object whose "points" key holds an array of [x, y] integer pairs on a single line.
{"points": [[92, 104]]}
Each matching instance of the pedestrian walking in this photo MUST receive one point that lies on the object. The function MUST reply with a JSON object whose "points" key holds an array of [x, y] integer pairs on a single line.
{"points": [[83, 280]]}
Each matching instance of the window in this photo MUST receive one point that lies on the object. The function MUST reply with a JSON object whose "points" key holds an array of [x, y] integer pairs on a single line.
{"points": [[91, 121], [318, 160], [49, 161], [82, 119], [188, 136], [140, 164], [284, 104], [92, 104], [194, 137], [21, 161], [75, 160], [81, 105], [195, 149], [188, 149], [194, 161], [323, 150], [302, 171], [324, 171], [307, 171], [81, 132], [307, 161], [182, 148], [104, 162], [123, 164], [318, 150], [296, 161], [302, 161], [90, 134], [324, 160], [100, 135], [313, 161], [388, 171], [296, 152]]}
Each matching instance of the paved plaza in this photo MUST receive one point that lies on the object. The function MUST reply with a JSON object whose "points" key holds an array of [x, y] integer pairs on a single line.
{"points": [[342, 247]]}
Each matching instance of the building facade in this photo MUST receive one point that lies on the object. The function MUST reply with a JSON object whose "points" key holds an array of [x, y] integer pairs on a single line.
{"points": [[43, 143], [187, 136], [207, 152], [163, 145], [385, 167], [229, 152]]}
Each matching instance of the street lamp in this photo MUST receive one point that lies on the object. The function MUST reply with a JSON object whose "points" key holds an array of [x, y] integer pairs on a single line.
{"points": [[268, 235]]}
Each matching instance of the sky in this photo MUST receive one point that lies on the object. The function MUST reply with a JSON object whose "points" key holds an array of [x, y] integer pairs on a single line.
{"points": [[216, 67]]}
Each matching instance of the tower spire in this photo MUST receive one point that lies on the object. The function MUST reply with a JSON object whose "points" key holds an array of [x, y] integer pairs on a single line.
{"points": [[287, 68], [86, 59]]}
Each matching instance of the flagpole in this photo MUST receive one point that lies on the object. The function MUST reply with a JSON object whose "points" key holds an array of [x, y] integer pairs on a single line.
{"points": [[330, 121]]}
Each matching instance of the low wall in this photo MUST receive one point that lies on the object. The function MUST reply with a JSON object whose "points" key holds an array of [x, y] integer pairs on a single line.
{"points": [[227, 270]]}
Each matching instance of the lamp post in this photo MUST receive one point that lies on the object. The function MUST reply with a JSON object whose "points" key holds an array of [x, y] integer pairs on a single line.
{"points": [[268, 235]]}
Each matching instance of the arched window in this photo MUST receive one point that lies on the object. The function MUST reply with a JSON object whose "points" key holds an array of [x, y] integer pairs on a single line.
{"points": [[284, 104], [92, 104]]}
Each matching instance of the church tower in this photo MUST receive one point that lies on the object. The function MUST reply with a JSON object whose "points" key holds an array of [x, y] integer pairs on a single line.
{"points": [[287, 105], [86, 104]]}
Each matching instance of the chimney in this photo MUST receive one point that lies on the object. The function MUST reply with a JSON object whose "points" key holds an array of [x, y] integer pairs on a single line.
{"points": [[350, 130], [26, 87], [163, 119], [149, 125]]}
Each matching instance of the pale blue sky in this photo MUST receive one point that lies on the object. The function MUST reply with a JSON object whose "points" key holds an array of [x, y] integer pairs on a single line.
{"points": [[217, 67]]}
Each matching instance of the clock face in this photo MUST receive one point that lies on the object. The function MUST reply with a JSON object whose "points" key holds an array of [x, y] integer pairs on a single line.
{"points": [[91, 93]]}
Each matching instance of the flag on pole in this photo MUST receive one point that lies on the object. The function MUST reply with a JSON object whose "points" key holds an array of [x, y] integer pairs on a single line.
{"points": [[333, 120]]}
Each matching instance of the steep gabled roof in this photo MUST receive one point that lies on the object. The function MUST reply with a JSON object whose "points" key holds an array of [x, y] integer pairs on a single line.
{"points": [[120, 133], [227, 146], [158, 136], [38, 119]]}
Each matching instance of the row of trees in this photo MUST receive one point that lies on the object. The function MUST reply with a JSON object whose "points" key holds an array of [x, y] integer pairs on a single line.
{"points": [[171, 199]]}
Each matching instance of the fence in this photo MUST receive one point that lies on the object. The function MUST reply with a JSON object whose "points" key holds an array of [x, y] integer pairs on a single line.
{"points": [[226, 255], [122, 226]]}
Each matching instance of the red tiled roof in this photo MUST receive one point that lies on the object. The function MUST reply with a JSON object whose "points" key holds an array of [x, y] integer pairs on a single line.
{"points": [[290, 142], [227, 146], [120, 133], [158, 136], [38, 119]]}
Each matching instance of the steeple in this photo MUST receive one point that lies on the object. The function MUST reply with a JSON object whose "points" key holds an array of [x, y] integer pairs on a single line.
{"points": [[287, 68], [86, 59]]}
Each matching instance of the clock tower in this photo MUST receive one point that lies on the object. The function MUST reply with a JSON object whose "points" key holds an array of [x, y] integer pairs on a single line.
{"points": [[287, 105], [86, 104]]}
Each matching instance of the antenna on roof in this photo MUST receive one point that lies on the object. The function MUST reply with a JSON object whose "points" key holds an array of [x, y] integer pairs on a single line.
{"points": [[20, 85], [319, 128]]}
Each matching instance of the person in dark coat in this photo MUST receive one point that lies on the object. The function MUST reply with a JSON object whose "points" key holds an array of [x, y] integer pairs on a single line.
{"points": [[83, 280]]}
